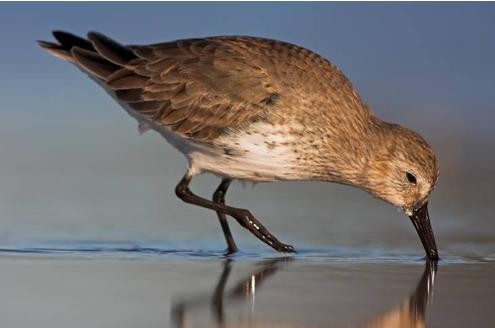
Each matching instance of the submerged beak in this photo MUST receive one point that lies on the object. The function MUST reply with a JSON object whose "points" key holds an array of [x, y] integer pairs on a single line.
{"points": [[421, 220]]}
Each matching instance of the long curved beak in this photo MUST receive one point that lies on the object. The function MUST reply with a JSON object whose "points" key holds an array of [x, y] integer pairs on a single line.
{"points": [[421, 220]]}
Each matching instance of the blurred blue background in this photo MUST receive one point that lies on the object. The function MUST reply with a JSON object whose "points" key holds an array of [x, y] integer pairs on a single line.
{"points": [[73, 167]]}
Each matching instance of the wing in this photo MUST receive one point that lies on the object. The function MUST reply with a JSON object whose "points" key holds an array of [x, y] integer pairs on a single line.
{"points": [[200, 88]]}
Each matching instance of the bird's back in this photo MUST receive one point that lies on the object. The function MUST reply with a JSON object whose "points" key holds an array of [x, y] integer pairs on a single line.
{"points": [[203, 88]]}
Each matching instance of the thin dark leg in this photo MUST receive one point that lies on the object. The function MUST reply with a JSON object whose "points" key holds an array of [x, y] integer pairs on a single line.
{"points": [[218, 294], [219, 198], [243, 216]]}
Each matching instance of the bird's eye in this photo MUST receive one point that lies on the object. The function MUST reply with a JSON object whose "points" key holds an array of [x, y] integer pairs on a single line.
{"points": [[411, 178]]}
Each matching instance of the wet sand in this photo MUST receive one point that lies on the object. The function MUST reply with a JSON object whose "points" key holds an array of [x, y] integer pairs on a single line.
{"points": [[156, 288]]}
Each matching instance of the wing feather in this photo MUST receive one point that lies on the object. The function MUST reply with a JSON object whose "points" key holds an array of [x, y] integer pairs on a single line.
{"points": [[130, 95], [200, 88], [111, 50], [93, 62], [131, 81]]}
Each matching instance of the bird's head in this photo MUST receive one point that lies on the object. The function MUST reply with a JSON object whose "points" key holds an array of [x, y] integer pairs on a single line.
{"points": [[403, 171]]}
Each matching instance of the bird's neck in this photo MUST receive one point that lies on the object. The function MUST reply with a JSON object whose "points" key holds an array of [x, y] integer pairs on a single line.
{"points": [[347, 158]]}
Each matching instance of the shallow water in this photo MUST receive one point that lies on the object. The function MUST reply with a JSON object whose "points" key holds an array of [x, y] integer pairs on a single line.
{"points": [[117, 285]]}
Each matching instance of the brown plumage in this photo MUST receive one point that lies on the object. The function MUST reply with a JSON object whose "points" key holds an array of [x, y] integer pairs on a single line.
{"points": [[261, 110]]}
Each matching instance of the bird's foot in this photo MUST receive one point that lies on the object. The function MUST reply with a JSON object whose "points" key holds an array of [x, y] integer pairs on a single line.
{"points": [[248, 221], [284, 248]]}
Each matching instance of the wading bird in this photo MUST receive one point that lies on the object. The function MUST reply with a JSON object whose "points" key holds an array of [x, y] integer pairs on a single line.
{"points": [[256, 109]]}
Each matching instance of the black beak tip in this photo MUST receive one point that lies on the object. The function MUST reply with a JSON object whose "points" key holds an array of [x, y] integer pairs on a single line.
{"points": [[421, 221]]}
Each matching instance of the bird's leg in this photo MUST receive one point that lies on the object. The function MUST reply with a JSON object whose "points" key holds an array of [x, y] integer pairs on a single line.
{"points": [[219, 198], [243, 216]]}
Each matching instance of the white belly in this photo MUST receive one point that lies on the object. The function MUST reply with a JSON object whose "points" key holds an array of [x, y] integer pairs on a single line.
{"points": [[261, 153]]}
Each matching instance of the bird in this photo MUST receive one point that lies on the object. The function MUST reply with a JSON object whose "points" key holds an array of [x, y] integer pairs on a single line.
{"points": [[260, 110]]}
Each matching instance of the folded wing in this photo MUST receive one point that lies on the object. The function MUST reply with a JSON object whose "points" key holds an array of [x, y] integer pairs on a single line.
{"points": [[200, 88]]}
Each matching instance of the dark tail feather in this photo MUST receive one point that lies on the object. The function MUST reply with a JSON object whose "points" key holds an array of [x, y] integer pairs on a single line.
{"points": [[111, 50], [99, 56], [56, 50], [93, 63], [66, 41]]}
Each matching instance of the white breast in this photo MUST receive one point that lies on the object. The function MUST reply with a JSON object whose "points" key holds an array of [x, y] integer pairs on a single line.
{"points": [[263, 152]]}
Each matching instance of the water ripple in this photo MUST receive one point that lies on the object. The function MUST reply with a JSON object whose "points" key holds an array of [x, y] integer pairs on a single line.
{"points": [[313, 255]]}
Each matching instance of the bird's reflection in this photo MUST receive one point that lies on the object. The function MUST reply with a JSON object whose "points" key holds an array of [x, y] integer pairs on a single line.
{"points": [[410, 313], [243, 289]]}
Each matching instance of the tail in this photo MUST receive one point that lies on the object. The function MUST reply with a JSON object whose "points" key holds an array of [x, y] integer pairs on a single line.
{"points": [[98, 55]]}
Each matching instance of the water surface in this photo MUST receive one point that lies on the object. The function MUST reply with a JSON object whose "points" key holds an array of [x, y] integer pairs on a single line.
{"points": [[122, 286]]}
